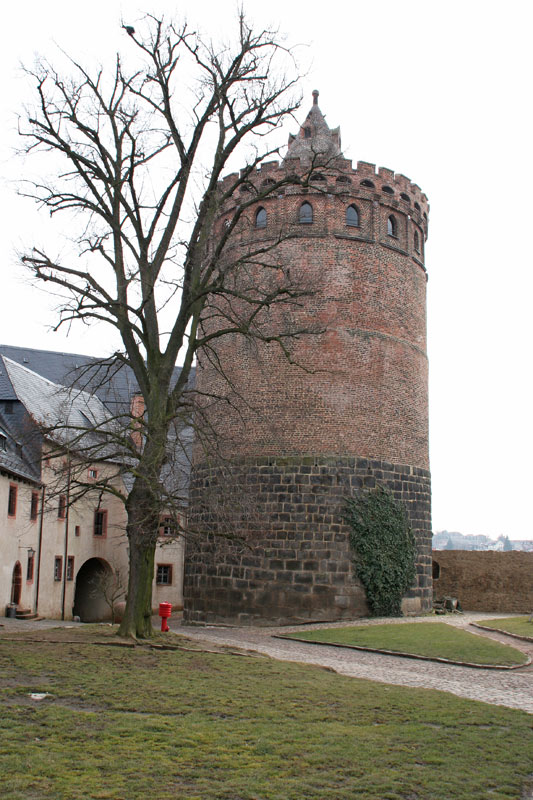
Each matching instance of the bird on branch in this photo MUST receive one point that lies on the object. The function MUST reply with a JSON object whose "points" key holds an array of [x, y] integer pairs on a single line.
{"points": [[130, 30]]}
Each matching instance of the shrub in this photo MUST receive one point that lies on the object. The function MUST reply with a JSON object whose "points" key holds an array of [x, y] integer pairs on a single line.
{"points": [[384, 550]]}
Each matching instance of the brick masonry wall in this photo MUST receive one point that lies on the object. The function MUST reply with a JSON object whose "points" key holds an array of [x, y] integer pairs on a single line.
{"points": [[294, 560], [363, 389], [486, 580]]}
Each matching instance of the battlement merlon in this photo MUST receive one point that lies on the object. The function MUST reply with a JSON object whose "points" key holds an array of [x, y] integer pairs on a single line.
{"points": [[364, 179]]}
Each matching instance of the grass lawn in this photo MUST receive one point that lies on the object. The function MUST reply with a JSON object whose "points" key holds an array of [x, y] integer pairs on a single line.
{"points": [[518, 625], [434, 639], [123, 724]]}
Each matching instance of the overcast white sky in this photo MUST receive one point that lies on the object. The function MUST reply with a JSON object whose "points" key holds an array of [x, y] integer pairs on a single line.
{"points": [[441, 92]]}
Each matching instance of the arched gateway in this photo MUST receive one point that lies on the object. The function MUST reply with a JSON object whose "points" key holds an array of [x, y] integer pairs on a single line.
{"points": [[90, 603]]}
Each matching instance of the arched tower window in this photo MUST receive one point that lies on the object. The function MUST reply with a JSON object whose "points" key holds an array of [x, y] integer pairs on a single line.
{"points": [[261, 218], [352, 216], [417, 242], [392, 226], [306, 213]]}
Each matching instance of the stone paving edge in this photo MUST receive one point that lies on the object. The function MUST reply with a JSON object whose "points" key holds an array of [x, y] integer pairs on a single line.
{"points": [[399, 653], [500, 630]]}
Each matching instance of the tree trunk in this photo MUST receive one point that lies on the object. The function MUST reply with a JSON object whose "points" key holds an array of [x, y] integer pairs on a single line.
{"points": [[142, 529], [137, 619]]}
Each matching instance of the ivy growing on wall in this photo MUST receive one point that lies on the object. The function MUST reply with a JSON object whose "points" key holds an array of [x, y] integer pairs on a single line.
{"points": [[384, 550]]}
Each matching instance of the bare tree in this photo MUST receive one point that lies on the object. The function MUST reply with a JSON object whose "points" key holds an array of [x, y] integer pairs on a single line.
{"points": [[137, 157], [109, 585]]}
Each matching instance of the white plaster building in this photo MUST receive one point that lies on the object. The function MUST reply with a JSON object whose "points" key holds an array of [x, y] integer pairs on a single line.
{"points": [[55, 547]]}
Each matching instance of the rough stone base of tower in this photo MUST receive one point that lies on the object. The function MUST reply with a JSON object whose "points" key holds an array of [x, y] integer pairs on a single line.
{"points": [[291, 561]]}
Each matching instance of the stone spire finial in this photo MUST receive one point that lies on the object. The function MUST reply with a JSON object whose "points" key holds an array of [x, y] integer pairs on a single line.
{"points": [[316, 138]]}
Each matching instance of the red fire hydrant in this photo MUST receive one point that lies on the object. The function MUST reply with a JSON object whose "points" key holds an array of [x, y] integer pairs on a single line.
{"points": [[165, 610]]}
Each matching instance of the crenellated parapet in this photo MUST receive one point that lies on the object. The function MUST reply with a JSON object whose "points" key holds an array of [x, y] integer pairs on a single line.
{"points": [[377, 194]]}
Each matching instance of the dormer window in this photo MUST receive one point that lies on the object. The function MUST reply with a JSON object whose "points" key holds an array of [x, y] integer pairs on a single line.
{"points": [[306, 214], [352, 216], [261, 218], [3, 441], [307, 132], [392, 226]]}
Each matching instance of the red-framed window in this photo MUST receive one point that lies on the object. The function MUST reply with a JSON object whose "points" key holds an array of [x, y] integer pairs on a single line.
{"points": [[100, 522], [30, 567], [70, 568], [12, 500], [58, 568], [167, 527], [34, 506], [62, 507], [92, 473], [163, 575]]}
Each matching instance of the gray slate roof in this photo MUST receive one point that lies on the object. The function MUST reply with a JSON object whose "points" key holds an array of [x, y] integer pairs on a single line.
{"points": [[113, 383], [6, 388], [49, 403], [40, 379], [14, 458]]}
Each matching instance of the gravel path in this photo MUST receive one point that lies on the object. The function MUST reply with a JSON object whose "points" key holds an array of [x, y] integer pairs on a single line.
{"points": [[512, 688]]}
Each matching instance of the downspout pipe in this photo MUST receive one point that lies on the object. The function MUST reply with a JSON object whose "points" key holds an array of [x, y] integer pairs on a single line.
{"points": [[65, 553], [39, 550]]}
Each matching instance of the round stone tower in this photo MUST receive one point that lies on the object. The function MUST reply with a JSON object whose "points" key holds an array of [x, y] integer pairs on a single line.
{"points": [[345, 411]]}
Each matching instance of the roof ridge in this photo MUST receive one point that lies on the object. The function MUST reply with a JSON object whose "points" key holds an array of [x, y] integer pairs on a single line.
{"points": [[53, 352]]}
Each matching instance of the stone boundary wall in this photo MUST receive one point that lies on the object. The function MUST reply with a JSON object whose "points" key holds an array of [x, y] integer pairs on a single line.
{"points": [[485, 580], [295, 563]]}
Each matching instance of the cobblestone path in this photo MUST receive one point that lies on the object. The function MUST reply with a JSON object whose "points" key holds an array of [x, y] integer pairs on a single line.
{"points": [[513, 688]]}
